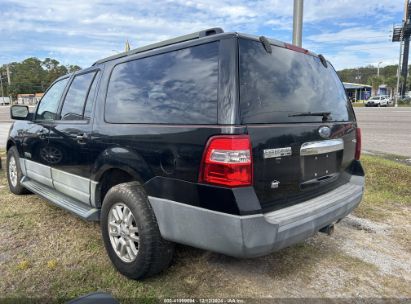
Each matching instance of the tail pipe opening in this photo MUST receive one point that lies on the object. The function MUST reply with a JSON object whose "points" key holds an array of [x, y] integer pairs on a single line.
{"points": [[329, 230]]}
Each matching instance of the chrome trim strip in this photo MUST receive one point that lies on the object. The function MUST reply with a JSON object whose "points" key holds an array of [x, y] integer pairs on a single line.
{"points": [[39, 172], [93, 192], [72, 192], [78, 187], [70, 180], [72, 185], [321, 147], [23, 166]]}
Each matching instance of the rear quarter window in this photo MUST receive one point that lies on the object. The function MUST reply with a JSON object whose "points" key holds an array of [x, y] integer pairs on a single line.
{"points": [[178, 87]]}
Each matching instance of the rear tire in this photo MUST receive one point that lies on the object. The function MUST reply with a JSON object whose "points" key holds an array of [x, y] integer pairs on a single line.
{"points": [[154, 254], [14, 174]]}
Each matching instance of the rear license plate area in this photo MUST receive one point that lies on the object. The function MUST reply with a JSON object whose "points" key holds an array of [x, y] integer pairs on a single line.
{"points": [[317, 166]]}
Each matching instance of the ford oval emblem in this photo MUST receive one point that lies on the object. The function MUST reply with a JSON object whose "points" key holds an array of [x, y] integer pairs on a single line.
{"points": [[325, 132]]}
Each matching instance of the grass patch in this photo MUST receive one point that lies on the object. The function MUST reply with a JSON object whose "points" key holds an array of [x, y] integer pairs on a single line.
{"points": [[47, 252], [357, 104], [388, 188]]}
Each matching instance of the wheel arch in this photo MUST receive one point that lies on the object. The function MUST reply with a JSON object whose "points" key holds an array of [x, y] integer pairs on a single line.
{"points": [[115, 166], [10, 143]]}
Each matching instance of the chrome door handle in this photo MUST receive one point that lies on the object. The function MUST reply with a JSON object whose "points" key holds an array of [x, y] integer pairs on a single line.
{"points": [[42, 134], [81, 138]]}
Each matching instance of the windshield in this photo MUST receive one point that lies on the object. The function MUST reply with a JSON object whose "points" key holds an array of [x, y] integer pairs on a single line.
{"points": [[274, 87], [374, 98]]}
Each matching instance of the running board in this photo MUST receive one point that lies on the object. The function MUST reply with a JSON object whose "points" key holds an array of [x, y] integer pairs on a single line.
{"points": [[61, 200]]}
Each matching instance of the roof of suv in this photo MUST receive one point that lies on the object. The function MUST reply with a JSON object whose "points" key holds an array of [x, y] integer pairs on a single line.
{"points": [[194, 36]]}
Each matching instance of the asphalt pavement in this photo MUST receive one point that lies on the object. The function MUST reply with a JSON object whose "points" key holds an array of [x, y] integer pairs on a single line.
{"points": [[386, 130]]}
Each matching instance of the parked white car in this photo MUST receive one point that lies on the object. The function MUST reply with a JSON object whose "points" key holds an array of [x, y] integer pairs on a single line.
{"points": [[377, 101], [4, 100]]}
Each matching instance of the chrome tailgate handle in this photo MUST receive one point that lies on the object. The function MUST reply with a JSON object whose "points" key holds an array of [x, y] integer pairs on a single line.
{"points": [[321, 147]]}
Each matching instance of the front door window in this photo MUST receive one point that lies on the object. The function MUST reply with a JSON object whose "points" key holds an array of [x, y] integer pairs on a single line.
{"points": [[48, 107]]}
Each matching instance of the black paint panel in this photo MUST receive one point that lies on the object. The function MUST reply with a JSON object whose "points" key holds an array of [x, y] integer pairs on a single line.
{"points": [[238, 201], [289, 170]]}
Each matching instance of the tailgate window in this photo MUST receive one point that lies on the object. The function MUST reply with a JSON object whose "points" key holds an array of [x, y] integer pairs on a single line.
{"points": [[276, 86]]}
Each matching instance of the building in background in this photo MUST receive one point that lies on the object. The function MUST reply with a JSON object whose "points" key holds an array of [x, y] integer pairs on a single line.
{"points": [[357, 91], [383, 90], [29, 99]]}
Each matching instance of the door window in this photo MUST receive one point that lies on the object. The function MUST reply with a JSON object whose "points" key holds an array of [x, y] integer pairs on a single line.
{"points": [[73, 107], [90, 99], [49, 104]]}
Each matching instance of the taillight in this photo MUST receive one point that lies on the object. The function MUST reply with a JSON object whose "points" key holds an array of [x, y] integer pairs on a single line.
{"points": [[227, 161], [358, 144]]}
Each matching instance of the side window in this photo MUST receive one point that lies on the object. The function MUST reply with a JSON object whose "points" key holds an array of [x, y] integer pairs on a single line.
{"points": [[90, 98], [74, 102], [47, 109], [178, 87]]}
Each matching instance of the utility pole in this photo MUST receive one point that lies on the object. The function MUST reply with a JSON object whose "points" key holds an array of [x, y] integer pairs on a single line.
{"points": [[8, 75], [298, 22], [2, 90], [378, 68], [402, 34], [9, 83], [398, 77]]}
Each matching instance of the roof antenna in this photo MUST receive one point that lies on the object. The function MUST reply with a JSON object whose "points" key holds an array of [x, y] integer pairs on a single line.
{"points": [[266, 44]]}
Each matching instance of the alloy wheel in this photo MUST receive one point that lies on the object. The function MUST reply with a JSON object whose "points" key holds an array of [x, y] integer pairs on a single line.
{"points": [[123, 232]]}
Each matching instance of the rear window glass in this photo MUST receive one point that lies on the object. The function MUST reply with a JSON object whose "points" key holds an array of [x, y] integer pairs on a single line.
{"points": [[275, 86], [178, 87]]}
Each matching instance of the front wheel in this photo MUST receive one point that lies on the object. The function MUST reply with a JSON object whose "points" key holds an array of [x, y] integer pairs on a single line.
{"points": [[131, 234]]}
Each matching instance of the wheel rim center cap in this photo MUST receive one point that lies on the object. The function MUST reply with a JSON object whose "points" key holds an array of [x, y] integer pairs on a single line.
{"points": [[124, 230]]}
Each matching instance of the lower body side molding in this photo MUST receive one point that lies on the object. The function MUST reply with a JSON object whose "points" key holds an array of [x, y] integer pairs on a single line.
{"points": [[61, 200]]}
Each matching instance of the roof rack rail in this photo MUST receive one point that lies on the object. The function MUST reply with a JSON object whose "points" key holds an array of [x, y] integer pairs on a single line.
{"points": [[192, 36]]}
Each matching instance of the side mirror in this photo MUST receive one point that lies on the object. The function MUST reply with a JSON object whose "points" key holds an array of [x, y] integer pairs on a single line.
{"points": [[19, 112]]}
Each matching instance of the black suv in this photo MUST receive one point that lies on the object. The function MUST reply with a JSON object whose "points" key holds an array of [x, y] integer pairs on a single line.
{"points": [[227, 142]]}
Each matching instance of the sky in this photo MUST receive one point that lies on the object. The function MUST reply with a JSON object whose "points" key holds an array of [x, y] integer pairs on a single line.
{"points": [[349, 33]]}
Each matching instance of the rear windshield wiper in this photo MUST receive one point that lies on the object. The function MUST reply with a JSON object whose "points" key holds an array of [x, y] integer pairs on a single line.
{"points": [[325, 115]]}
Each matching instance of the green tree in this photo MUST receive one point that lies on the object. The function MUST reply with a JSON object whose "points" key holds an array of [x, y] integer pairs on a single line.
{"points": [[33, 75], [53, 70], [363, 74], [73, 68], [391, 83], [26, 77], [375, 82]]}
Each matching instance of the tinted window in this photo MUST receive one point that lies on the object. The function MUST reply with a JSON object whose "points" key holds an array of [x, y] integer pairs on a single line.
{"points": [[47, 109], [177, 88], [90, 98], [275, 86], [76, 97]]}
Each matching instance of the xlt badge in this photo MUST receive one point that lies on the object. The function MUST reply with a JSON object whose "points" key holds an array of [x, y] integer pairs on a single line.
{"points": [[272, 153]]}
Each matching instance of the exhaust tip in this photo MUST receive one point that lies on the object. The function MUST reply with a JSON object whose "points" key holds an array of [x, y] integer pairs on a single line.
{"points": [[329, 230]]}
